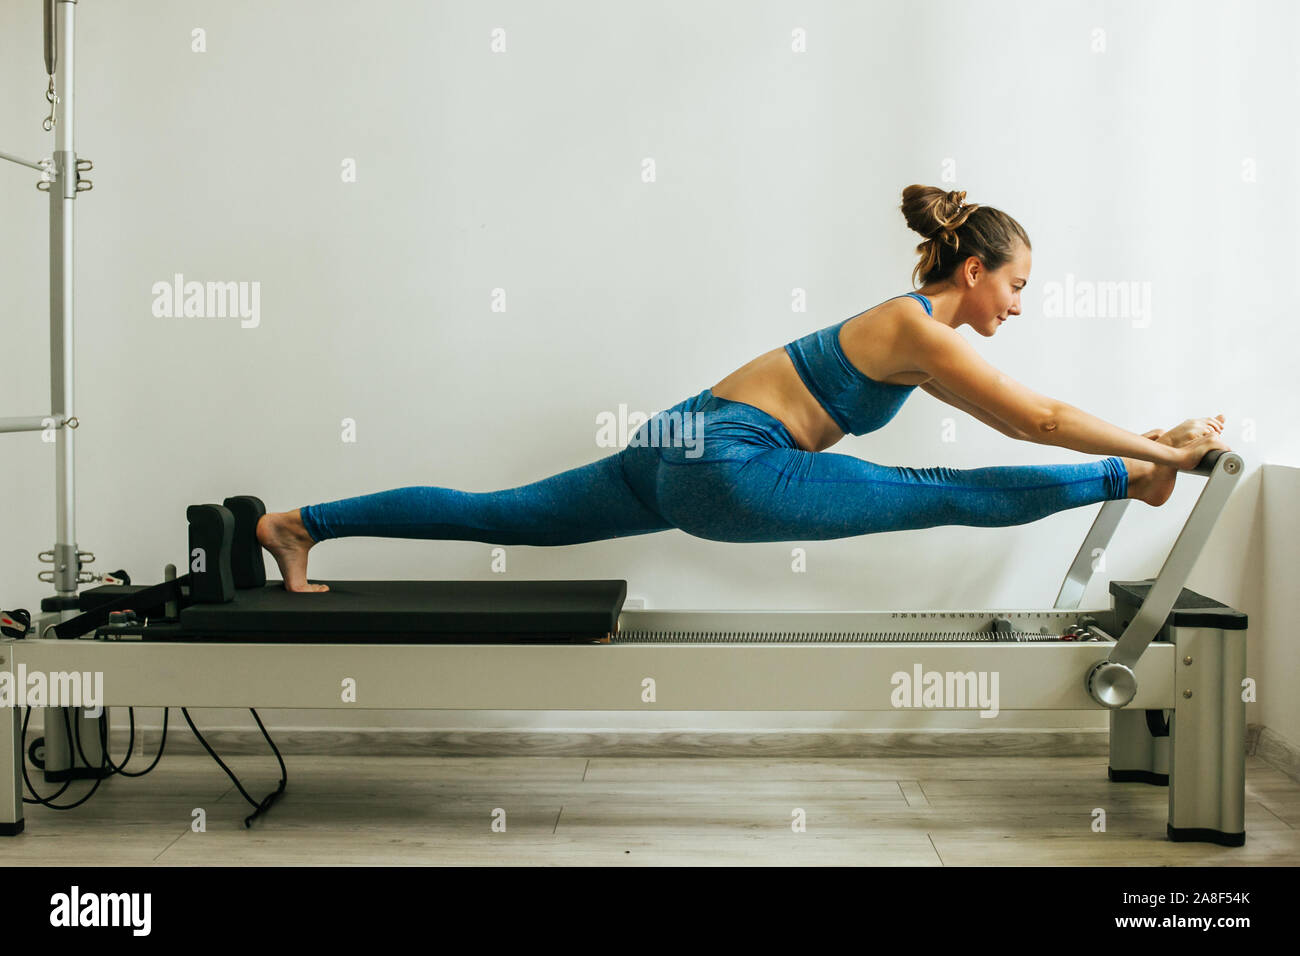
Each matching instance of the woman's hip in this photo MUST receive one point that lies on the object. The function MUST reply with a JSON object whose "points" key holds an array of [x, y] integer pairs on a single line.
{"points": [[704, 428]]}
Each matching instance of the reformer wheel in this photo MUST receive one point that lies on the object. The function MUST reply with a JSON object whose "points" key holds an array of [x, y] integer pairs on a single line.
{"points": [[36, 753]]}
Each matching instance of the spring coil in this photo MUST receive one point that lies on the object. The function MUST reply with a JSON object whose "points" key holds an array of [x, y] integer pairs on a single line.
{"points": [[834, 637]]}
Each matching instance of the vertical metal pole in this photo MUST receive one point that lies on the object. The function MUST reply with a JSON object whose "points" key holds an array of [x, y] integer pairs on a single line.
{"points": [[63, 194]]}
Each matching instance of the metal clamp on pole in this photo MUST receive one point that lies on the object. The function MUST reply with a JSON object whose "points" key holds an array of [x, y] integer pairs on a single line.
{"points": [[1112, 682]]}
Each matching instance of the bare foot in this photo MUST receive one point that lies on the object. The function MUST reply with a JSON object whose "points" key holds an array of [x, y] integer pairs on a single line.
{"points": [[1150, 482], [283, 534]]}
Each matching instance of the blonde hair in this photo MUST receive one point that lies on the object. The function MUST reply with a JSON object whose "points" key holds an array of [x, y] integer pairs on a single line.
{"points": [[955, 230]]}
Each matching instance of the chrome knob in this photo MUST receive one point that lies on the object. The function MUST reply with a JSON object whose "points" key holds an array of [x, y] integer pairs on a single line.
{"points": [[1112, 685]]}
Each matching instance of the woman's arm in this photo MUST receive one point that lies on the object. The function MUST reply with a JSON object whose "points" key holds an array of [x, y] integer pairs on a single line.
{"points": [[960, 371], [972, 410], [1070, 427]]}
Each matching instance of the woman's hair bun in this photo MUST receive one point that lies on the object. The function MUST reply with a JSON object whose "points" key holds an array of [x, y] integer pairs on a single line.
{"points": [[953, 232], [932, 211]]}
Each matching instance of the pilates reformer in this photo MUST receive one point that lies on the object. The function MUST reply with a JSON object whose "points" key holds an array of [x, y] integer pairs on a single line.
{"points": [[221, 635], [1167, 663]]}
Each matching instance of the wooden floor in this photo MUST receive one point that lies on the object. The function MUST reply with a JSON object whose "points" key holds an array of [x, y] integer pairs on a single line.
{"points": [[636, 811]]}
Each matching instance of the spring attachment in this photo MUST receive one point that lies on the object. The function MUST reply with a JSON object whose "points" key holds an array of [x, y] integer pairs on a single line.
{"points": [[52, 98]]}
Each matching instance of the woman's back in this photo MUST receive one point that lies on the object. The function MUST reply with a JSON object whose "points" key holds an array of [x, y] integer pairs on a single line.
{"points": [[849, 377]]}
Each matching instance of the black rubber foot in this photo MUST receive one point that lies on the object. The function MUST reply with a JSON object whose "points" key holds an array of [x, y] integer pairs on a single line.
{"points": [[1138, 776], [12, 829], [1194, 835], [79, 773]]}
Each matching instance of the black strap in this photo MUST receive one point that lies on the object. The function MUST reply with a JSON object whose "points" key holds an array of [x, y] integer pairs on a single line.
{"points": [[99, 616]]}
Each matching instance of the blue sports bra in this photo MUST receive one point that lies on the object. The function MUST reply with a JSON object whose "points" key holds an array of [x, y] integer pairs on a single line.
{"points": [[856, 403]]}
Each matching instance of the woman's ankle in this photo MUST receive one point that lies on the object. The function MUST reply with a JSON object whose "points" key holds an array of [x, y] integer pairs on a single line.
{"points": [[1149, 482]]}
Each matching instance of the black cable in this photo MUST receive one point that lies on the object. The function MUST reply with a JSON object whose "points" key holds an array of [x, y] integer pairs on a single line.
{"points": [[130, 747], [270, 798], [26, 779], [162, 745], [106, 759], [45, 801], [107, 763]]}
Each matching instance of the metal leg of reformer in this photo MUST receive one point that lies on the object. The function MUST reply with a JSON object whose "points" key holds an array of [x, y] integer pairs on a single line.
{"points": [[1207, 733], [11, 764], [72, 744], [1139, 747]]}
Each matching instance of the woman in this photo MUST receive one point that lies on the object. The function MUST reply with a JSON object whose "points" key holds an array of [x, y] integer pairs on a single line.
{"points": [[745, 460]]}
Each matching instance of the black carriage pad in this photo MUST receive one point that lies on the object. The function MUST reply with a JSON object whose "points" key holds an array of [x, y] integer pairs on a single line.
{"points": [[1189, 610], [424, 612]]}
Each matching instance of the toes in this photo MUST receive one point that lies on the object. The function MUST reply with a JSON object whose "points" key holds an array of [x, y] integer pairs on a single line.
{"points": [[306, 588]]}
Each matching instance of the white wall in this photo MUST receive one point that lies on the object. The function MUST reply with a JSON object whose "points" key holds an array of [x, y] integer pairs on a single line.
{"points": [[1150, 143], [1273, 658]]}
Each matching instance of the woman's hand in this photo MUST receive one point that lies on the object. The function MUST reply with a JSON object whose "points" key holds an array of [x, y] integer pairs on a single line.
{"points": [[1194, 449], [1188, 431]]}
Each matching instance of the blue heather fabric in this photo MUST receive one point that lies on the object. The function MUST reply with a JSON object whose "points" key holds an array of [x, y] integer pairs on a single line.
{"points": [[726, 471], [857, 404]]}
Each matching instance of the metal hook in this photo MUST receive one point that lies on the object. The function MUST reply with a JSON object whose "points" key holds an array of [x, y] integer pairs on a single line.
{"points": [[52, 98]]}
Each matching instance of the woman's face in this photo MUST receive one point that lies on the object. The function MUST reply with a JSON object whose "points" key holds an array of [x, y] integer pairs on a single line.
{"points": [[995, 294]]}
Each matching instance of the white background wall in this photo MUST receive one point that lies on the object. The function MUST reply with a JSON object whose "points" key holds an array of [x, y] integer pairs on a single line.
{"points": [[1152, 143]]}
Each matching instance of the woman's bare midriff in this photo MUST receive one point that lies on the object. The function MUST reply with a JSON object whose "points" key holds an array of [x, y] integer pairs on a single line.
{"points": [[771, 383]]}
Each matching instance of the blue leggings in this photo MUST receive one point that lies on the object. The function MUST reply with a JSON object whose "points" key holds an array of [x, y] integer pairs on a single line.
{"points": [[725, 471]]}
